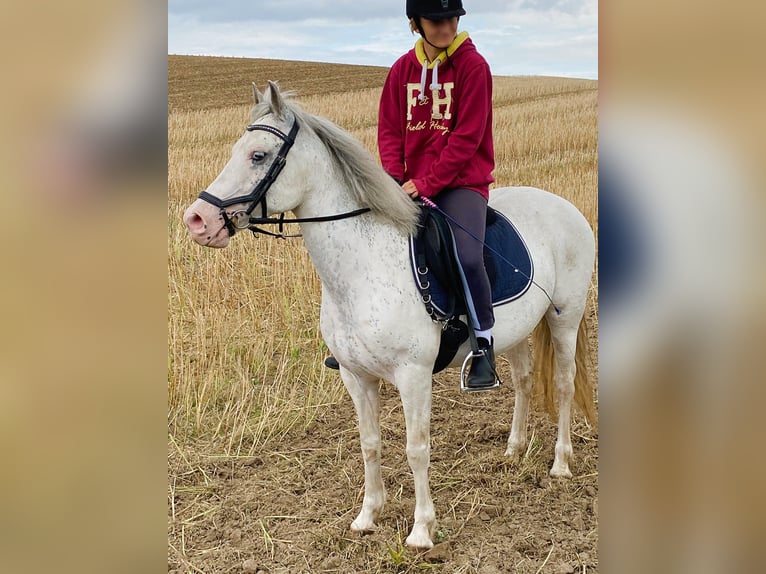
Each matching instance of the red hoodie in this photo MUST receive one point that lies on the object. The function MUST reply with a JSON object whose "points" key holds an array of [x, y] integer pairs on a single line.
{"points": [[442, 138]]}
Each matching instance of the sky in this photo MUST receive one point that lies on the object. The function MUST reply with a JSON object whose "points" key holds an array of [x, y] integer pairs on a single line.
{"points": [[517, 37]]}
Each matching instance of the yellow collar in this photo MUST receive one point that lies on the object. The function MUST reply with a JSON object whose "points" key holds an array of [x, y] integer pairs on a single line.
{"points": [[456, 43]]}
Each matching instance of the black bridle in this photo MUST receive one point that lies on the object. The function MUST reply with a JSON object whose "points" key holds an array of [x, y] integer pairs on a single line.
{"points": [[243, 219]]}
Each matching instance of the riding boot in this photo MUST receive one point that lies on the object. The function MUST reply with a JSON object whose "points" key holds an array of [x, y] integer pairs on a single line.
{"points": [[331, 363], [482, 373]]}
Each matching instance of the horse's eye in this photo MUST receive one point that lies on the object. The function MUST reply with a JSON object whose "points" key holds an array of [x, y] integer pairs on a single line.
{"points": [[257, 156]]}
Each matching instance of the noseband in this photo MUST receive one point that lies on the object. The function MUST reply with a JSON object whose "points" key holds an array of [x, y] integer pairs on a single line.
{"points": [[259, 192], [242, 219]]}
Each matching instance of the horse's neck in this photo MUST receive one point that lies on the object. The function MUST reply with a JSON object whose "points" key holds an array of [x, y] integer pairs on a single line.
{"points": [[361, 250]]}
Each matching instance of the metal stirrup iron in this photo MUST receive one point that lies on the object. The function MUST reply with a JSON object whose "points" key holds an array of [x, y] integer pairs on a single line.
{"points": [[464, 387]]}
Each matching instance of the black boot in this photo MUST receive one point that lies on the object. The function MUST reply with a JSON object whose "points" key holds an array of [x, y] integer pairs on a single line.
{"points": [[482, 377], [331, 363]]}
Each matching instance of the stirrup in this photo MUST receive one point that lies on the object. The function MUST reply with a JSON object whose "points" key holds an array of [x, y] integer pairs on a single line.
{"points": [[464, 387]]}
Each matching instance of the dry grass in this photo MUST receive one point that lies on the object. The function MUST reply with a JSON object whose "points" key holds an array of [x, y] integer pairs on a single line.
{"points": [[245, 354]]}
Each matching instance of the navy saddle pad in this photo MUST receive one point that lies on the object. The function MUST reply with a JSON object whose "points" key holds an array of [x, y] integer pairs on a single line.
{"points": [[510, 276]]}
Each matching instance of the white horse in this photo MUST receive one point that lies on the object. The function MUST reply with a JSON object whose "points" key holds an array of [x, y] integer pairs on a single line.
{"points": [[372, 316]]}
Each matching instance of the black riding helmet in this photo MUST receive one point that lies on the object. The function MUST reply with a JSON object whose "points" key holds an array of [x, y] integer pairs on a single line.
{"points": [[434, 9]]}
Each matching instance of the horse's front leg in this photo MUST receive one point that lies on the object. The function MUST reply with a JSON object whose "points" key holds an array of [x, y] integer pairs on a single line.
{"points": [[414, 386], [364, 391]]}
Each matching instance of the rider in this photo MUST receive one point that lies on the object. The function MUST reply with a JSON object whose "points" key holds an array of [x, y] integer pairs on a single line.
{"points": [[435, 139]]}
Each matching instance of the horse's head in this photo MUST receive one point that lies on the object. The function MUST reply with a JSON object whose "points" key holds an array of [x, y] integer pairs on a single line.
{"points": [[258, 173]]}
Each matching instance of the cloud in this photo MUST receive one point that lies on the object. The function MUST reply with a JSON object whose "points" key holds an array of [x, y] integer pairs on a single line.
{"points": [[282, 11], [297, 10], [543, 37]]}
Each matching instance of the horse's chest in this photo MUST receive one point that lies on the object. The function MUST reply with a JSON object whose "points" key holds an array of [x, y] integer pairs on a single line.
{"points": [[372, 305]]}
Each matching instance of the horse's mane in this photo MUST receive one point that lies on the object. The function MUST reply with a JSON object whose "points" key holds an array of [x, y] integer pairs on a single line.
{"points": [[367, 182]]}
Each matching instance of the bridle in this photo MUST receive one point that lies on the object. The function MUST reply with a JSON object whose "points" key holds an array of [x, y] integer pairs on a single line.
{"points": [[242, 218]]}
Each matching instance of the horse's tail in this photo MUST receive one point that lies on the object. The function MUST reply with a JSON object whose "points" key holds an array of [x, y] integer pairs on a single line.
{"points": [[544, 368]]}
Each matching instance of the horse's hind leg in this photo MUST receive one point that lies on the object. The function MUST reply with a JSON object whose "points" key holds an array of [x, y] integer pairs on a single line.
{"points": [[415, 392], [564, 340], [521, 372], [365, 394]]}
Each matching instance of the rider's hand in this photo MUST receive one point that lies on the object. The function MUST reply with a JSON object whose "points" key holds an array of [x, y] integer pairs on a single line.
{"points": [[410, 189]]}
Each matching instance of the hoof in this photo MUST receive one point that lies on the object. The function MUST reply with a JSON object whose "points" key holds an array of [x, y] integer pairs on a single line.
{"points": [[419, 545], [361, 526], [515, 453], [368, 515], [560, 473], [419, 539]]}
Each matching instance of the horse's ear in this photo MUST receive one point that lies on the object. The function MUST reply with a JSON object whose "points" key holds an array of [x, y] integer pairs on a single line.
{"points": [[257, 95], [275, 98]]}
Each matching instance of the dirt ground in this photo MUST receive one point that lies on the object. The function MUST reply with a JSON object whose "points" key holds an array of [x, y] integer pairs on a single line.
{"points": [[288, 510]]}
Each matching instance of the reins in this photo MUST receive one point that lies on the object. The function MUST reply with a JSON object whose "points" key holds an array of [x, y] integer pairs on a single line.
{"points": [[280, 221]]}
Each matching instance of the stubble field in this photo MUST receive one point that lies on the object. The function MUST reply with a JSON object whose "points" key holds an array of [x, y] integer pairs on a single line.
{"points": [[264, 463]]}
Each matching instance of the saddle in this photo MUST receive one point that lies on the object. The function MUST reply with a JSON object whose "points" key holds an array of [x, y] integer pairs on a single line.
{"points": [[437, 273]]}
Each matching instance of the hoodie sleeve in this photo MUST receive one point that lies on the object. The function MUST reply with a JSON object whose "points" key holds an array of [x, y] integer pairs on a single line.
{"points": [[390, 126], [467, 134]]}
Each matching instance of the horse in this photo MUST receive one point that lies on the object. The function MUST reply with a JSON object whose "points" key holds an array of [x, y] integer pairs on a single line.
{"points": [[356, 223]]}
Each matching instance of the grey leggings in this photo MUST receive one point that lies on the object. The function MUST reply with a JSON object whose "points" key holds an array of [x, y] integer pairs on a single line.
{"points": [[469, 209]]}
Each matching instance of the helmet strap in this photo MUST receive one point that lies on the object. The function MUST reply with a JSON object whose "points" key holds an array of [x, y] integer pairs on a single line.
{"points": [[423, 35]]}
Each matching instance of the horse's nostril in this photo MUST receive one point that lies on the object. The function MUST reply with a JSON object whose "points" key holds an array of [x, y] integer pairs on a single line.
{"points": [[195, 222]]}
